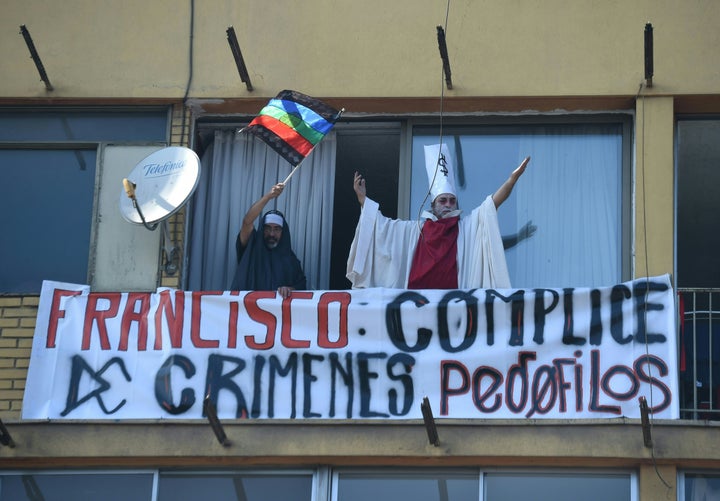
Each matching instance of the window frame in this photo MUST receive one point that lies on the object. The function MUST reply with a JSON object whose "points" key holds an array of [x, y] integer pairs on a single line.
{"points": [[316, 476], [69, 472], [682, 479], [325, 478], [625, 119], [407, 122], [481, 472], [109, 113]]}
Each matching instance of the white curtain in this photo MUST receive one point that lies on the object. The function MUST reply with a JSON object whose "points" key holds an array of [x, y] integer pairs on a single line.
{"points": [[237, 169], [572, 192]]}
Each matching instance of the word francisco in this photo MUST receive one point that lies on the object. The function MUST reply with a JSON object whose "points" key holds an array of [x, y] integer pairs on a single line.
{"points": [[135, 312]]}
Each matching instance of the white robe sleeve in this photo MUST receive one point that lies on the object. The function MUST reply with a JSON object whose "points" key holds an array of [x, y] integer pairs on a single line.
{"points": [[481, 255], [382, 250]]}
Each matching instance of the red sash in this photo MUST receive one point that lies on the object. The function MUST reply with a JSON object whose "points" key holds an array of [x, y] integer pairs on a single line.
{"points": [[434, 264]]}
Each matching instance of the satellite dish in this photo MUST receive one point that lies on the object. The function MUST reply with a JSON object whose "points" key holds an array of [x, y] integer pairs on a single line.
{"points": [[159, 185]]}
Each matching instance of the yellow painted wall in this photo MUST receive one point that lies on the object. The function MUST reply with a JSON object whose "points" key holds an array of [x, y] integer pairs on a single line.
{"points": [[350, 48], [654, 187]]}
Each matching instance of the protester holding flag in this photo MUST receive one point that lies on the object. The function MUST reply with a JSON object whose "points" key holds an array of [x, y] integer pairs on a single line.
{"points": [[292, 124], [441, 251], [265, 257]]}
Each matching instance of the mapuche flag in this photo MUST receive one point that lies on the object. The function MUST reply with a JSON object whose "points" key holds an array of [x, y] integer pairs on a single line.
{"points": [[293, 123]]}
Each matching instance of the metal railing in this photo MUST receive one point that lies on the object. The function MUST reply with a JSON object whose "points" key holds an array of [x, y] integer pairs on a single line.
{"points": [[699, 353]]}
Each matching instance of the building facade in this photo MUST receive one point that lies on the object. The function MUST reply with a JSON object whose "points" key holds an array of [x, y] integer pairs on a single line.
{"points": [[617, 103]]}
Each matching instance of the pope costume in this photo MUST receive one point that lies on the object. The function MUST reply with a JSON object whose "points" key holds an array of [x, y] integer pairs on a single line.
{"points": [[445, 253]]}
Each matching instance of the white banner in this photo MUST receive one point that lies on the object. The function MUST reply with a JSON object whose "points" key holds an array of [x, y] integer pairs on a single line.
{"points": [[373, 353]]}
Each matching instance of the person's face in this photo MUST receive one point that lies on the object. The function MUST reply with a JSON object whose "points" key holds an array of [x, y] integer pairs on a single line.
{"points": [[271, 235], [443, 205]]}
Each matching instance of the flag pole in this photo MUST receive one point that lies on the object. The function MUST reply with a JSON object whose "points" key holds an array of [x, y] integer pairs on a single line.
{"points": [[291, 173], [298, 165]]}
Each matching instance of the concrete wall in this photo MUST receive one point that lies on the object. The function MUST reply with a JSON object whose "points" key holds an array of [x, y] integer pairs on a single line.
{"points": [[349, 48]]}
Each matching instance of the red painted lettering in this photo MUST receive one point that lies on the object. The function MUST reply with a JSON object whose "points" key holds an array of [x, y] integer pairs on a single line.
{"points": [[93, 315], [232, 321], [285, 337], [197, 341], [343, 299], [262, 317], [132, 315], [56, 313], [174, 318]]}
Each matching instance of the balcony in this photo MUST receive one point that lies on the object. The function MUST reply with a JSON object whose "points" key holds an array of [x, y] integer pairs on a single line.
{"points": [[699, 353]]}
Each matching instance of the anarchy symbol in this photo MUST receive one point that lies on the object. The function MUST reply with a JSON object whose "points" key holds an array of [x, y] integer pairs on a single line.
{"points": [[80, 366]]}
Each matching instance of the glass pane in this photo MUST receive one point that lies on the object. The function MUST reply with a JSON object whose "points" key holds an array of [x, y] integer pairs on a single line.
{"points": [[83, 126], [557, 487], [72, 487], [418, 487], [698, 176], [702, 487], [571, 192], [47, 208], [47, 203], [233, 487]]}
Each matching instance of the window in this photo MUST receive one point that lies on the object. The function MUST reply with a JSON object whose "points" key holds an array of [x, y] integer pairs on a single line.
{"points": [[235, 486], [238, 169], [324, 484], [432, 486], [698, 176], [699, 486], [575, 191], [48, 204], [436, 485], [558, 486], [69, 486], [48, 169], [318, 202], [361, 147]]}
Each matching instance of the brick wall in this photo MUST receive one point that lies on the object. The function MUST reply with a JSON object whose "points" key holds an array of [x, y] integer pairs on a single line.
{"points": [[17, 326], [179, 135]]}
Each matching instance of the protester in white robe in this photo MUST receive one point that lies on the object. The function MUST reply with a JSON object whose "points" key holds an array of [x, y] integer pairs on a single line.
{"points": [[382, 250]]}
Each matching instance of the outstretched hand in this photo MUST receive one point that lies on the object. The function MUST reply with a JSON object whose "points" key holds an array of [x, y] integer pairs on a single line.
{"points": [[527, 231], [359, 187], [254, 212], [520, 169], [504, 191]]}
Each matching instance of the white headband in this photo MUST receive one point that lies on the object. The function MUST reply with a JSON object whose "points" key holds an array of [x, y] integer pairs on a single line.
{"points": [[274, 219]]}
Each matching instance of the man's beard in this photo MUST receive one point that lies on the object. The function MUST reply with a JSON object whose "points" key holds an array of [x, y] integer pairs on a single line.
{"points": [[271, 243], [442, 213]]}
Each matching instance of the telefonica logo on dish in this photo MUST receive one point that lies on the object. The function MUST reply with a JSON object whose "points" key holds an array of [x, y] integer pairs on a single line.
{"points": [[164, 169]]}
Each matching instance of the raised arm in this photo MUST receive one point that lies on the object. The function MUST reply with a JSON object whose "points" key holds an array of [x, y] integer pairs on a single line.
{"points": [[504, 191], [359, 187], [255, 210]]}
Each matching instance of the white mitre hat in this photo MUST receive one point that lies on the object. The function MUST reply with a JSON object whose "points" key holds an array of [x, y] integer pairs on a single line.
{"points": [[440, 170]]}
